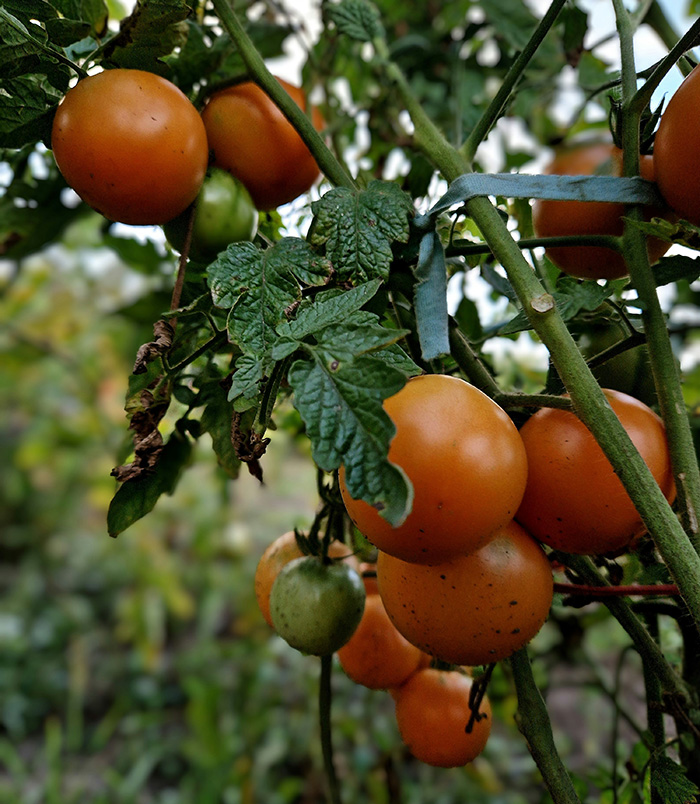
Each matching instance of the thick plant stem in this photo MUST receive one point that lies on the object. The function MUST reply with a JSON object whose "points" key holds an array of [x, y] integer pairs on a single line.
{"points": [[324, 707], [587, 398], [514, 74], [533, 721], [327, 162], [662, 359], [652, 654]]}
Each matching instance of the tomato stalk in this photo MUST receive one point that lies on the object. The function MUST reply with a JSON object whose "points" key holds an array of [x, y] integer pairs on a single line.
{"points": [[533, 721], [329, 165], [324, 707], [662, 359], [510, 81]]}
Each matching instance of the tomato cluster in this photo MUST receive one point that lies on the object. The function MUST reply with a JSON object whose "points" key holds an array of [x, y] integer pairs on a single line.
{"points": [[134, 148]]}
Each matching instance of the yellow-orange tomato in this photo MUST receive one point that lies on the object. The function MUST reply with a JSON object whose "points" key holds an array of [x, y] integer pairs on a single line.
{"points": [[251, 138], [432, 713], [559, 218], [574, 501], [283, 550], [131, 145], [473, 609], [467, 464], [377, 655], [677, 148]]}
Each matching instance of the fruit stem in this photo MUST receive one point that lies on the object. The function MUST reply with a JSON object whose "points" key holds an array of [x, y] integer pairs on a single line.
{"points": [[533, 721], [324, 709], [510, 81], [329, 165], [663, 363]]}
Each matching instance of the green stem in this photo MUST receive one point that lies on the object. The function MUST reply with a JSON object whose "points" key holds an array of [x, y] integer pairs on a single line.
{"points": [[652, 654], [255, 63], [510, 81], [588, 400], [663, 363], [460, 248], [427, 136], [469, 362], [655, 716], [658, 22], [533, 721], [324, 706], [639, 99]]}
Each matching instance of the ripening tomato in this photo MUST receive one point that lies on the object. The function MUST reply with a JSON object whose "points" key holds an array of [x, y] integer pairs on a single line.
{"points": [[676, 150], [432, 713], [316, 606], [225, 214], [559, 218], [467, 464], [283, 550], [131, 145], [251, 139], [473, 609], [377, 655], [574, 501]]}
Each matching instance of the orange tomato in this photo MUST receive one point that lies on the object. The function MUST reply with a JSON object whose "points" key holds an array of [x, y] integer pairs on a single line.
{"points": [[377, 655], [473, 609], [251, 139], [559, 218], [432, 712], [467, 464], [283, 550], [677, 148], [131, 145], [574, 501]]}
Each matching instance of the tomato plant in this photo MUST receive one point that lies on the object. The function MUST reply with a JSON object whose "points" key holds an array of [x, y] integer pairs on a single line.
{"points": [[473, 609], [279, 553], [251, 139], [131, 145], [377, 655], [224, 214], [467, 465], [676, 149], [432, 713], [557, 218], [316, 606], [573, 500]]}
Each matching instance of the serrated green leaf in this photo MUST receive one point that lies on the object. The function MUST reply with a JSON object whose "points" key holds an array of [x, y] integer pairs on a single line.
{"points": [[136, 498], [671, 783], [153, 30], [260, 287], [358, 19], [250, 371], [92, 12], [63, 33], [329, 307], [358, 228], [341, 405], [361, 334], [216, 420], [395, 356]]}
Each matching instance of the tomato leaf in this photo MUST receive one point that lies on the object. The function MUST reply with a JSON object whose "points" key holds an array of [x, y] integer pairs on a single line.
{"points": [[358, 19], [671, 782], [677, 267], [341, 405], [136, 498], [261, 286], [152, 30], [216, 420], [358, 228]]}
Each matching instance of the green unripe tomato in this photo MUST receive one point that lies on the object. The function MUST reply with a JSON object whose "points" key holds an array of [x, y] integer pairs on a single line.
{"points": [[316, 607], [225, 214]]}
